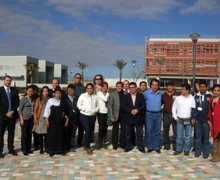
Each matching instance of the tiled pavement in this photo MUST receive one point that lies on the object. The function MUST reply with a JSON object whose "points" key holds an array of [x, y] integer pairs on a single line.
{"points": [[106, 164]]}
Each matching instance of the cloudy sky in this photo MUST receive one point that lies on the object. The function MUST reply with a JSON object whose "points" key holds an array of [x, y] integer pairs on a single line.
{"points": [[99, 31]]}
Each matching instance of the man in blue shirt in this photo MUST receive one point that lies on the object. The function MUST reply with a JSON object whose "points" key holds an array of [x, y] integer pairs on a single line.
{"points": [[153, 119]]}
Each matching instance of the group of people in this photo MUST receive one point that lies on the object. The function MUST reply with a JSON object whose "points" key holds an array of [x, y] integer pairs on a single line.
{"points": [[54, 117]]}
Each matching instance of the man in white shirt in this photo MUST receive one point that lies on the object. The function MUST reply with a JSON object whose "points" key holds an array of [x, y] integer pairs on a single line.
{"points": [[181, 111]]}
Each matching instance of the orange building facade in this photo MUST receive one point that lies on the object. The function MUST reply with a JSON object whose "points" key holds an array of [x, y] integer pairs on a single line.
{"points": [[178, 54]]}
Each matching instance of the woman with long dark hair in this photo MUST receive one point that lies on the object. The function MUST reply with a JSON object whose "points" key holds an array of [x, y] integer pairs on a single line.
{"points": [[39, 121]]}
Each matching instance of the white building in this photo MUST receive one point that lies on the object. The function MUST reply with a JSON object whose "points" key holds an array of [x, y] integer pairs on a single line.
{"points": [[14, 66]]}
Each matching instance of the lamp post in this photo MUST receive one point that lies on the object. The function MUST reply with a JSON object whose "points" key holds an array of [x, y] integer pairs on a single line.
{"points": [[194, 37], [133, 64]]}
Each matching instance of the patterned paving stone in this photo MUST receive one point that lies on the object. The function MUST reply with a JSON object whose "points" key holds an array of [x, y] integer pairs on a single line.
{"points": [[105, 165]]}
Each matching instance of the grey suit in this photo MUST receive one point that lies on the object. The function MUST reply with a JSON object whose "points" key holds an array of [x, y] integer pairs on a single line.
{"points": [[114, 105], [115, 113]]}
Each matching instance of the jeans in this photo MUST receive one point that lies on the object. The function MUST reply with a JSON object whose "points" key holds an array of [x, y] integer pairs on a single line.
{"points": [[153, 126], [202, 138], [129, 136], [167, 121], [87, 123], [181, 128]]}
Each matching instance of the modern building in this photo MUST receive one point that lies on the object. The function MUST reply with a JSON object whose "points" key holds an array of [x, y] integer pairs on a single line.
{"points": [[14, 66], [178, 64]]}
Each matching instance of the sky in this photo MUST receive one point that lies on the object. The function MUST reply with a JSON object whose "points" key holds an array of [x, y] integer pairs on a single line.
{"points": [[98, 32]]}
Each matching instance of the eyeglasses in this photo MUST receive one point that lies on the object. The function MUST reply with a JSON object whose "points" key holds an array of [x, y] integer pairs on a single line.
{"points": [[78, 77], [98, 79]]}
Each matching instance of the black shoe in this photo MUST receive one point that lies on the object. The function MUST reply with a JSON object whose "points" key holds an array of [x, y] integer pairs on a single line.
{"points": [[2, 155], [13, 153], [205, 156], [41, 152], [167, 148], [142, 150], [186, 153], [149, 150], [158, 151], [63, 154], [31, 152], [126, 150], [197, 155], [176, 153], [25, 153], [115, 147], [51, 154]]}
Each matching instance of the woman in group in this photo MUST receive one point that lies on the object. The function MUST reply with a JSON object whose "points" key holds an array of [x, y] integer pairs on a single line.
{"points": [[39, 121], [97, 81], [56, 114], [102, 115], [214, 121], [26, 111], [88, 106]]}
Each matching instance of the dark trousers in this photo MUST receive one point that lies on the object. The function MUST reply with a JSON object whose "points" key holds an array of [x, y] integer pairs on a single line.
{"points": [[42, 140], [92, 139], [115, 133], [26, 135], [202, 138], [78, 127], [69, 135], [167, 122], [36, 141], [87, 123], [10, 124], [129, 135], [102, 120]]}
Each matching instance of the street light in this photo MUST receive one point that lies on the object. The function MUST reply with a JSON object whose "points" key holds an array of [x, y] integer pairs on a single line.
{"points": [[194, 37], [133, 64]]}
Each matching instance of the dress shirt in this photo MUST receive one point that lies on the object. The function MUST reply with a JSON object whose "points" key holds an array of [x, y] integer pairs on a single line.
{"points": [[103, 99], [153, 100], [133, 97], [182, 106]]}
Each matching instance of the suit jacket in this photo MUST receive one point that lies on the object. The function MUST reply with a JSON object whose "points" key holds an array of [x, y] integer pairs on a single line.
{"points": [[73, 110], [114, 105], [128, 106], [4, 102]]}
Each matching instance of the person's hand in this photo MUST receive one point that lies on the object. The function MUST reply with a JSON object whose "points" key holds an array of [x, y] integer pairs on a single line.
{"points": [[36, 121], [177, 120], [9, 114], [47, 123], [134, 111], [193, 122], [210, 125], [113, 120], [67, 122], [22, 122]]}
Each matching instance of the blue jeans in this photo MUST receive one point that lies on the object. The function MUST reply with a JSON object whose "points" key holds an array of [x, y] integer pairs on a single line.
{"points": [[139, 134], [87, 123], [202, 138], [181, 128], [153, 126]]}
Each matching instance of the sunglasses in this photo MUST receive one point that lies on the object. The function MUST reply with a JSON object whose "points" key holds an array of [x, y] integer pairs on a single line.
{"points": [[78, 77], [98, 79]]}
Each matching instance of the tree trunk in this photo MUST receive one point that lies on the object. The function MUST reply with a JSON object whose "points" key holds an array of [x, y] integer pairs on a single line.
{"points": [[120, 75], [159, 73], [82, 76]]}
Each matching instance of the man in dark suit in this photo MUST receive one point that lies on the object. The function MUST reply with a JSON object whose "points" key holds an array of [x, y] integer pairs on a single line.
{"points": [[133, 106], [73, 115], [9, 102]]}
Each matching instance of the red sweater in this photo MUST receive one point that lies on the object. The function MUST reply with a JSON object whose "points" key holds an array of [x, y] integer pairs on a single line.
{"points": [[214, 118]]}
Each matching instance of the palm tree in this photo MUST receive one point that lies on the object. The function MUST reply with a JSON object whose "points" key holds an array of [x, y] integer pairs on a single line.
{"points": [[82, 66], [120, 64], [160, 60], [30, 67]]}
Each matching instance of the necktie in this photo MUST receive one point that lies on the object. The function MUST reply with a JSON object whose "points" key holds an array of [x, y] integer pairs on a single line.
{"points": [[9, 99]]}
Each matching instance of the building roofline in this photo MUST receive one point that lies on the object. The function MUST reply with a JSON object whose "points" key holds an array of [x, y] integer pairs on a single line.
{"points": [[183, 40]]}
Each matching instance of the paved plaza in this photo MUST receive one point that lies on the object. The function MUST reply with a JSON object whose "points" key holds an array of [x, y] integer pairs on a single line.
{"points": [[105, 164]]}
